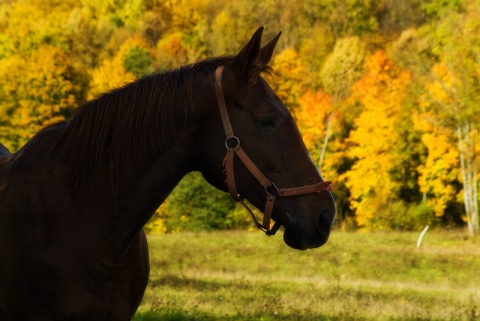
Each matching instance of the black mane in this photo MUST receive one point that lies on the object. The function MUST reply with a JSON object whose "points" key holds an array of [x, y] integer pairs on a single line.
{"points": [[118, 126]]}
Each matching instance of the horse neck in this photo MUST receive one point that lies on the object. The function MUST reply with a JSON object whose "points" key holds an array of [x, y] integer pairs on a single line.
{"points": [[143, 189], [134, 189]]}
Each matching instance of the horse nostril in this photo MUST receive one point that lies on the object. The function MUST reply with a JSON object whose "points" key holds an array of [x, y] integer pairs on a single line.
{"points": [[324, 222], [292, 220]]}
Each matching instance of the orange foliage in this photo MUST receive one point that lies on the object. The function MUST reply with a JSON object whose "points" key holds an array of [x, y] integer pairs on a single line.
{"points": [[171, 51], [312, 116], [291, 78]]}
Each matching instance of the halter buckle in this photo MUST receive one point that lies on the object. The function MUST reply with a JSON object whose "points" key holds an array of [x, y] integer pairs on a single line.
{"points": [[272, 190]]}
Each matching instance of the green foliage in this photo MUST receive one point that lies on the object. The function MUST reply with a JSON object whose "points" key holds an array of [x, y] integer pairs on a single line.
{"points": [[194, 205], [342, 67], [138, 61], [350, 17], [435, 9]]}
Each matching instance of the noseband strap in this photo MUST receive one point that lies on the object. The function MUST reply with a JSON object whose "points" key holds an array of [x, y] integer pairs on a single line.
{"points": [[232, 144]]}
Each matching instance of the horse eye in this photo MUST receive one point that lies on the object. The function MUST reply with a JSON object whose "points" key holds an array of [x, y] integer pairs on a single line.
{"points": [[266, 123]]}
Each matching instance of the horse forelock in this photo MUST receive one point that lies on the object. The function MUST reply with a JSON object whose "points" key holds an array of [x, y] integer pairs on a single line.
{"points": [[259, 68]]}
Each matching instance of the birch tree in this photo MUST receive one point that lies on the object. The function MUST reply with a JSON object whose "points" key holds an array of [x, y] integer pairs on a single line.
{"points": [[340, 70], [444, 56], [450, 98], [453, 94]]}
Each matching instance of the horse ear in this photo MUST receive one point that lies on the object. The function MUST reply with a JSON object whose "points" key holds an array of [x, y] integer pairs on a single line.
{"points": [[247, 56], [267, 50]]}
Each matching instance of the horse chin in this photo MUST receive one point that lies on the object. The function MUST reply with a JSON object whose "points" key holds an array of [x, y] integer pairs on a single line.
{"points": [[292, 237]]}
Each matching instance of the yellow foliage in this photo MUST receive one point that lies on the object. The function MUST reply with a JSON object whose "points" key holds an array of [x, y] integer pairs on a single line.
{"points": [[291, 78], [35, 91], [374, 138], [440, 173], [186, 14], [440, 89], [156, 225], [111, 73]]}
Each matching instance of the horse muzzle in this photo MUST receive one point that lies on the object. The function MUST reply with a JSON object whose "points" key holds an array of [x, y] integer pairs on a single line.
{"points": [[301, 235]]}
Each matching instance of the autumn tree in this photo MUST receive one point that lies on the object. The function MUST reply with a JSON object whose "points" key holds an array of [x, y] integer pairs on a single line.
{"points": [[341, 68], [445, 54], [178, 49], [452, 128], [35, 91], [373, 187], [133, 59], [314, 116], [439, 174], [290, 79]]}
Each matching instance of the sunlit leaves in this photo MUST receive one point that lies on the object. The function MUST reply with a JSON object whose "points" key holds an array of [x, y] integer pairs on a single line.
{"points": [[342, 67], [440, 173], [374, 138], [312, 117], [291, 78], [178, 49], [138, 61], [35, 93], [132, 60]]}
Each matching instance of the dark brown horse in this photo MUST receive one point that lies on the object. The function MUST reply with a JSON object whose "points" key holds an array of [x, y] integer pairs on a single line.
{"points": [[74, 199]]}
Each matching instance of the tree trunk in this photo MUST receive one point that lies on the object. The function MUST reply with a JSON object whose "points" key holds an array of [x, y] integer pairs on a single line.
{"points": [[469, 175], [328, 133]]}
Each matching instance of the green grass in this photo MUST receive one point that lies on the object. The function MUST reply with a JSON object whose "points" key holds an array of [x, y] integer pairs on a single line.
{"points": [[237, 275]]}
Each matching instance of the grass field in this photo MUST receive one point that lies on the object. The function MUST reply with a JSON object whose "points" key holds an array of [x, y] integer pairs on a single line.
{"points": [[238, 275]]}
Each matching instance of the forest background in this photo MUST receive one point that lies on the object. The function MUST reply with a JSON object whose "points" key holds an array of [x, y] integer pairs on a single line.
{"points": [[385, 92]]}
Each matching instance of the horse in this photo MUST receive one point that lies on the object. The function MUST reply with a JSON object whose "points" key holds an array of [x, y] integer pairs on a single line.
{"points": [[74, 198]]}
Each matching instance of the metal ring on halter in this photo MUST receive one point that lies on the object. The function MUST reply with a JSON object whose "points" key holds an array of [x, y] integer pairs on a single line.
{"points": [[237, 142], [272, 190]]}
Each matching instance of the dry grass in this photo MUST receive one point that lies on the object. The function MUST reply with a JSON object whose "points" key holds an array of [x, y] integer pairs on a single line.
{"points": [[357, 276]]}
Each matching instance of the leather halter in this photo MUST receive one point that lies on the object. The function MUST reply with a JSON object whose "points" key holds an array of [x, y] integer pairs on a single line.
{"points": [[232, 144]]}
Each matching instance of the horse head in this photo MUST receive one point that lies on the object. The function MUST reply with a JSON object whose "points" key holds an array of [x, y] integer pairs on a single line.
{"points": [[264, 159]]}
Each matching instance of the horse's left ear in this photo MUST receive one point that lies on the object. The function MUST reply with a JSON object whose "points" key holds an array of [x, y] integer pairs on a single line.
{"points": [[246, 58], [267, 51]]}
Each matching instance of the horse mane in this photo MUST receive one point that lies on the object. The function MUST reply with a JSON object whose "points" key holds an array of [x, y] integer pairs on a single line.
{"points": [[114, 129], [120, 125]]}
